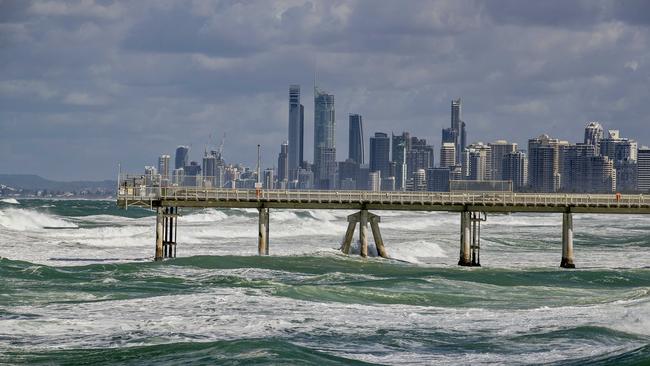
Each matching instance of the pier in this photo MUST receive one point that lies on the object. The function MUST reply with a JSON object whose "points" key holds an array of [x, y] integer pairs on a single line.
{"points": [[473, 207]]}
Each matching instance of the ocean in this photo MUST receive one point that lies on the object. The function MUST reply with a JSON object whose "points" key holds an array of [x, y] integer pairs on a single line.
{"points": [[78, 285]]}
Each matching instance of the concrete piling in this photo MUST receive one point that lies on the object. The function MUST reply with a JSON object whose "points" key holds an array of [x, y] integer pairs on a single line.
{"points": [[379, 242], [363, 232], [465, 239], [262, 244], [349, 234], [159, 234], [567, 241], [363, 218]]}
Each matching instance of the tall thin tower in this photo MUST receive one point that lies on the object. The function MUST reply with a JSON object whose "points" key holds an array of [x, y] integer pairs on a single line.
{"points": [[296, 130]]}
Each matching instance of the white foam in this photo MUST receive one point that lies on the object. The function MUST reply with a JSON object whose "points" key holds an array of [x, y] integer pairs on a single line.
{"points": [[11, 201], [21, 219], [416, 251]]}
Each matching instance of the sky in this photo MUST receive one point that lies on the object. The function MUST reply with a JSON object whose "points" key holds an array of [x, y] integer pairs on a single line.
{"points": [[85, 85]]}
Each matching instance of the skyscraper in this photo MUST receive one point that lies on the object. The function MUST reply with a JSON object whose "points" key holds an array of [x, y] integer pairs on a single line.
{"points": [[163, 166], [515, 169], [418, 156], [209, 169], [543, 164], [458, 127], [181, 159], [400, 145], [379, 154], [324, 143], [575, 166], [499, 149], [593, 135], [447, 154], [283, 164], [356, 147], [643, 169], [477, 162], [296, 131]]}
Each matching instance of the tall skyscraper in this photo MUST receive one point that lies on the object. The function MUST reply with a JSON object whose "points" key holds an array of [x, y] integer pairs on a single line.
{"points": [[324, 134], [400, 145], [593, 135], [380, 154], [543, 164], [499, 149], [182, 158], [283, 164], [515, 169], [643, 169], [296, 131], [163, 166], [356, 147], [447, 155], [601, 176], [209, 169], [458, 127], [418, 156]]}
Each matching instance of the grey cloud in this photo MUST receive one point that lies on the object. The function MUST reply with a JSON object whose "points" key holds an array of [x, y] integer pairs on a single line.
{"points": [[92, 89]]}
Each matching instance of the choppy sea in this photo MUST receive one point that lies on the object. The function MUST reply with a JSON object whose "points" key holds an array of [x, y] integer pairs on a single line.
{"points": [[78, 286]]}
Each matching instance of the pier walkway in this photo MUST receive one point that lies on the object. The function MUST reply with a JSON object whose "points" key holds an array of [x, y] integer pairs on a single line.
{"points": [[472, 206]]}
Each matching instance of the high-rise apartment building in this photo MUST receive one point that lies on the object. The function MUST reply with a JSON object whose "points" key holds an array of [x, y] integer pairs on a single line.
{"points": [[601, 177], [543, 164], [296, 131], [499, 149], [400, 145], [355, 145], [182, 158], [283, 164], [447, 154], [514, 167], [458, 126], [209, 169], [593, 135], [477, 162], [163, 167], [324, 138], [643, 169], [418, 156], [380, 154], [438, 179], [575, 166]]}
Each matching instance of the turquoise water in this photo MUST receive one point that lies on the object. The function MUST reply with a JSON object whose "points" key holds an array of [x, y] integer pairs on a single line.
{"points": [[79, 287]]}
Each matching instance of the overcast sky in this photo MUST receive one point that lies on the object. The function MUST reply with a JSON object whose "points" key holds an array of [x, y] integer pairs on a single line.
{"points": [[87, 84]]}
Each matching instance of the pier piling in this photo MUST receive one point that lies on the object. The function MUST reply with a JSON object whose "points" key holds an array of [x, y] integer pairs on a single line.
{"points": [[363, 232], [363, 218], [567, 241], [262, 244], [465, 239], [159, 234]]}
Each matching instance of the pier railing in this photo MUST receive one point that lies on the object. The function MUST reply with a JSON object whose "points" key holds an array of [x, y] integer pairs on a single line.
{"points": [[145, 191]]}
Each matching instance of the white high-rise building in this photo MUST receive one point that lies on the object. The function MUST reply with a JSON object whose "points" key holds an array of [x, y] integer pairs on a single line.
{"points": [[447, 155]]}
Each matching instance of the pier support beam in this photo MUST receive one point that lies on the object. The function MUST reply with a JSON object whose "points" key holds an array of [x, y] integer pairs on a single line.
{"points": [[159, 234], [379, 242], [470, 238], [262, 243], [363, 233], [364, 217], [170, 218], [465, 239], [567, 241]]}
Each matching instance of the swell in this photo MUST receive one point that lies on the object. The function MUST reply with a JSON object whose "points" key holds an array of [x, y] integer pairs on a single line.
{"points": [[325, 278], [237, 352]]}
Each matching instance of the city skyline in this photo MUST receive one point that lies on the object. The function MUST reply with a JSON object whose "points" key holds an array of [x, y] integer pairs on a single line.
{"points": [[111, 82]]}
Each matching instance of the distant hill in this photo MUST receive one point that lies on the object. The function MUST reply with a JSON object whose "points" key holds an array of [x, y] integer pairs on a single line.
{"points": [[34, 182]]}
